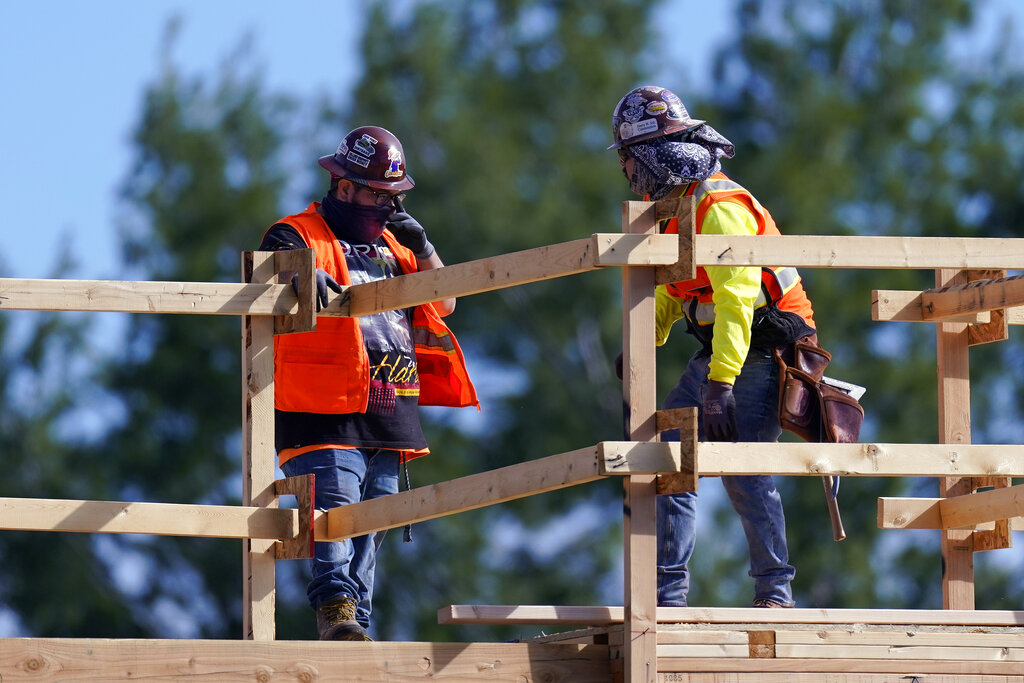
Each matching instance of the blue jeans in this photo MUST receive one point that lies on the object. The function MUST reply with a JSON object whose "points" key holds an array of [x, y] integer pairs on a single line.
{"points": [[754, 498], [344, 476]]}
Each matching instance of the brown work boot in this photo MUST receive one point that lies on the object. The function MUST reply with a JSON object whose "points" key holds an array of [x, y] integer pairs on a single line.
{"points": [[766, 602], [336, 620]]}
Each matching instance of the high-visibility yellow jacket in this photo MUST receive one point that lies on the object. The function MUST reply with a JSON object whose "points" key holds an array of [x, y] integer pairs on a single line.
{"points": [[722, 299]]}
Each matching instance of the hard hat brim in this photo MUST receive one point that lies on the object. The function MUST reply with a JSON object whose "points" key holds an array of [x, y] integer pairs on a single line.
{"points": [[330, 162], [683, 126]]}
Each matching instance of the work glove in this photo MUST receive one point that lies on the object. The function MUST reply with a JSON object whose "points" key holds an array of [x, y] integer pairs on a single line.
{"points": [[719, 411], [323, 282], [410, 234]]}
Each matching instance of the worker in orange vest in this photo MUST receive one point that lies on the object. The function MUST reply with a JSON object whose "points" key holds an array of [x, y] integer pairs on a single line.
{"points": [[739, 315], [347, 395]]}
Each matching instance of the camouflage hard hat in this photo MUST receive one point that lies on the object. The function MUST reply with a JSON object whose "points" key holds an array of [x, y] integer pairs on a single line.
{"points": [[648, 112], [371, 156]]}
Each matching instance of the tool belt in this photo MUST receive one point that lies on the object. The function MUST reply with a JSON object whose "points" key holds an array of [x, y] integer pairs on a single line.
{"points": [[811, 409]]}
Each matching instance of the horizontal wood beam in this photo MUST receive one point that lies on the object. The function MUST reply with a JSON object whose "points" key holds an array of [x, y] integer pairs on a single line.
{"points": [[499, 486], [605, 615], [212, 298], [162, 519], [823, 251], [860, 459], [972, 297], [505, 270], [983, 506], [231, 661], [899, 305], [735, 670], [925, 513]]}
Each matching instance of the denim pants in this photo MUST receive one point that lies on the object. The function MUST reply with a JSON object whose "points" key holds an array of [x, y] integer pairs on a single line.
{"points": [[344, 476], [754, 498]]}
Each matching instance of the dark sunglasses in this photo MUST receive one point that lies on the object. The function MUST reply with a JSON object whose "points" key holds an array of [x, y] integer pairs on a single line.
{"points": [[383, 198]]}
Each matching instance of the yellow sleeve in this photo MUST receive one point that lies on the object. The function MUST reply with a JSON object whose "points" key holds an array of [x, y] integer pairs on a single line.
{"points": [[667, 310], [735, 291]]}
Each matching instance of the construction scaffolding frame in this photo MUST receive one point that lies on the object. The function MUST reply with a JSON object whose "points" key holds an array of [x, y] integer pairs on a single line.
{"points": [[973, 302]]}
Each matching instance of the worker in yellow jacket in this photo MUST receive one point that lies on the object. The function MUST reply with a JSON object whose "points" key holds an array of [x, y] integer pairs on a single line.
{"points": [[739, 315]]}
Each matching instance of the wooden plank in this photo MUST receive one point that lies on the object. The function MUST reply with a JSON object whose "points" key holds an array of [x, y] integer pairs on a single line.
{"points": [[540, 615], [685, 420], [997, 654], [465, 493], [639, 511], [683, 209], [212, 298], [983, 506], [761, 644], [823, 251], [703, 650], [258, 455], [997, 329], [889, 305], [907, 638], [629, 457], [303, 487], [832, 677], [923, 513], [972, 297], [954, 379], [162, 519], [506, 270], [678, 637], [229, 661], [747, 616], [910, 668], [303, 263], [860, 459]]}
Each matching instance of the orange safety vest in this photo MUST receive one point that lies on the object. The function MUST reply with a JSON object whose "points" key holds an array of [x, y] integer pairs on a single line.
{"points": [[782, 283], [328, 370]]}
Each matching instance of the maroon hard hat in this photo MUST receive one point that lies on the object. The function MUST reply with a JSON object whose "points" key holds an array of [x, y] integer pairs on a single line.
{"points": [[648, 112], [371, 156]]}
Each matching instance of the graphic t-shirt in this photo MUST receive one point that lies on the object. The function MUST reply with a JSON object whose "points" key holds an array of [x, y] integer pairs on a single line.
{"points": [[391, 419]]}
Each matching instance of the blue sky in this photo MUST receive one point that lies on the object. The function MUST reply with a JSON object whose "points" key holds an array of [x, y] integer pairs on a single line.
{"points": [[72, 74]]}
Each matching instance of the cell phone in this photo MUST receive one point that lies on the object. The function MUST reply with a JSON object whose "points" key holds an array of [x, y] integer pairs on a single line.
{"points": [[398, 204]]}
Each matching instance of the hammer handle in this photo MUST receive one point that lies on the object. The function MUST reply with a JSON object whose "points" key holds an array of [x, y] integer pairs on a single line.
{"points": [[838, 533]]}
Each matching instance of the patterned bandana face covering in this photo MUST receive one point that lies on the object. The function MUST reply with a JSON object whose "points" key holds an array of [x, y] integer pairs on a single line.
{"points": [[664, 163]]}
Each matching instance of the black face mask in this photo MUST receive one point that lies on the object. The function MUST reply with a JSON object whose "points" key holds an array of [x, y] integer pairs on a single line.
{"points": [[354, 223]]}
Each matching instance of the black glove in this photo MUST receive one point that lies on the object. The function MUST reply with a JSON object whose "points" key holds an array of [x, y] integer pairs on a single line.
{"points": [[618, 365], [410, 234], [719, 412], [323, 282]]}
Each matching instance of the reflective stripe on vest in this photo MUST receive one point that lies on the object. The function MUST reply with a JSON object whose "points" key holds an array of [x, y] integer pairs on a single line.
{"points": [[785, 278], [784, 287]]}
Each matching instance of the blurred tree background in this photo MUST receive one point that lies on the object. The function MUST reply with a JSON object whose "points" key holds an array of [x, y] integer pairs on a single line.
{"points": [[871, 118]]}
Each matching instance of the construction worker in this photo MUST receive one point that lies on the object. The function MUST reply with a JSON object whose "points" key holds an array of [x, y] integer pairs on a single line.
{"points": [[347, 395], [739, 315]]}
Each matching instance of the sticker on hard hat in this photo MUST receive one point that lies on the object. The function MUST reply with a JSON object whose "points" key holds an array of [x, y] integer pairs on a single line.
{"points": [[655, 108], [395, 159], [358, 159]]}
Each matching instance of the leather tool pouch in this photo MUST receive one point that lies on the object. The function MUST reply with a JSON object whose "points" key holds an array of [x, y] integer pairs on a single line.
{"points": [[809, 408]]}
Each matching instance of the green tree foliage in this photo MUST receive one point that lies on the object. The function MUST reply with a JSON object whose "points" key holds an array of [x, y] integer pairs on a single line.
{"points": [[205, 183], [877, 118], [52, 584]]}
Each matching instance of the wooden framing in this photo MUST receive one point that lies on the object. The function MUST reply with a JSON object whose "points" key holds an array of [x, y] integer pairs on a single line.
{"points": [[662, 644], [552, 615]]}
